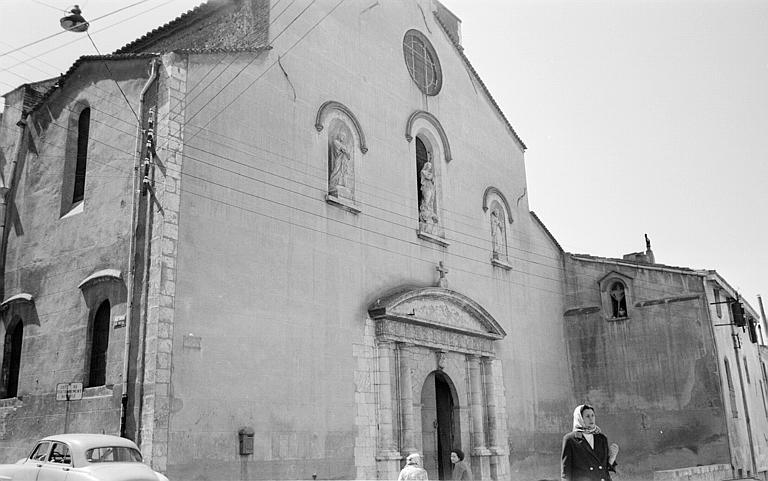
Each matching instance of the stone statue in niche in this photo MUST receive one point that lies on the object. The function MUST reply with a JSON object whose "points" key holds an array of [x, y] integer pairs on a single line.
{"points": [[427, 213], [618, 300], [340, 167], [497, 234]]}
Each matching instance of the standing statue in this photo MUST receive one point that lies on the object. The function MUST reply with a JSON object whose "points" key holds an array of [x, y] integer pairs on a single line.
{"points": [[338, 181], [427, 214], [497, 234]]}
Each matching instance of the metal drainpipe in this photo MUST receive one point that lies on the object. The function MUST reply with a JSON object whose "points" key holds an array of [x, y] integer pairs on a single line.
{"points": [[132, 248], [4, 215]]}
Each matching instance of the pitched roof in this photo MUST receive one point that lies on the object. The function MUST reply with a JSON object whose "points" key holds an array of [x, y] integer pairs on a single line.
{"points": [[245, 28], [191, 16], [52, 85], [469, 66]]}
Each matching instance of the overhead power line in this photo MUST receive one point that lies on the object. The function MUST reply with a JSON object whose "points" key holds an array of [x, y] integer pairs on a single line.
{"points": [[64, 31]]}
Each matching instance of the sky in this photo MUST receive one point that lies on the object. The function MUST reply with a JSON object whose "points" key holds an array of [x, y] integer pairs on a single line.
{"points": [[640, 116]]}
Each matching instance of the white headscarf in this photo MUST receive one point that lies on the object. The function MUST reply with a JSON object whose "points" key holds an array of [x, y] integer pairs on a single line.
{"points": [[413, 458], [578, 420]]}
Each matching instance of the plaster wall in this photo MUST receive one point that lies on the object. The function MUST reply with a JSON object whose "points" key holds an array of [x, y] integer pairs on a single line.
{"points": [[653, 376], [49, 255], [744, 396], [273, 283]]}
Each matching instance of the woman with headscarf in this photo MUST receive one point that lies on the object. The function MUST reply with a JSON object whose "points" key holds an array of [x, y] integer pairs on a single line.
{"points": [[413, 469], [586, 454]]}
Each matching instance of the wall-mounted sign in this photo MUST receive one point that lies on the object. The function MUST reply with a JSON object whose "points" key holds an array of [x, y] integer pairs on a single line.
{"points": [[69, 391]]}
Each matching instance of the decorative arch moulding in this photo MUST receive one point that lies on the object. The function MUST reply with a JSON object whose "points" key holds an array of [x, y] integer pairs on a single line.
{"points": [[493, 190], [437, 308], [22, 298], [334, 105], [421, 114], [101, 276]]}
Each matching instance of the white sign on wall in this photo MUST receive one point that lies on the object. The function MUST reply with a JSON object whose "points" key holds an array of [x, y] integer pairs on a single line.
{"points": [[69, 391]]}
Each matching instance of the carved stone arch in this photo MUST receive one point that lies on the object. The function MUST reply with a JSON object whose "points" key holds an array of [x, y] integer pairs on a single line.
{"points": [[421, 114], [334, 105], [430, 331], [486, 197], [442, 309]]}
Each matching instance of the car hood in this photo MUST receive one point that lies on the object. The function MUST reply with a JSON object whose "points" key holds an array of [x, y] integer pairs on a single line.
{"points": [[122, 472]]}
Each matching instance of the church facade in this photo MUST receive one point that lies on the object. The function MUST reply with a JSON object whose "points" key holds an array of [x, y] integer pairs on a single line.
{"points": [[303, 246]]}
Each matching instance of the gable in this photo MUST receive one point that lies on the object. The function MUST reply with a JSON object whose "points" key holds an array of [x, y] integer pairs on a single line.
{"points": [[218, 25]]}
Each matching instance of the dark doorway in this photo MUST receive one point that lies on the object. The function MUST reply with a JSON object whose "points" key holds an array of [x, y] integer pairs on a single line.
{"points": [[99, 346], [12, 358], [440, 425], [444, 427]]}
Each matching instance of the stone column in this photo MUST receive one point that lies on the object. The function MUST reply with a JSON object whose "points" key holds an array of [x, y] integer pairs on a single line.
{"points": [[387, 455], [499, 451], [406, 400], [480, 453]]}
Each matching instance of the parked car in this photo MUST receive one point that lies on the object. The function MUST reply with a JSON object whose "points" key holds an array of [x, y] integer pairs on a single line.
{"points": [[81, 457]]}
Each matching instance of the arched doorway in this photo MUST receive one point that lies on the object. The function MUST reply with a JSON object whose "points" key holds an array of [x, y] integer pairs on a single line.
{"points": [[440, 426]]}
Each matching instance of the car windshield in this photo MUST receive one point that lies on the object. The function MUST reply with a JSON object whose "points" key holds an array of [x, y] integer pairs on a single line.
{"points": [[113, 454]]}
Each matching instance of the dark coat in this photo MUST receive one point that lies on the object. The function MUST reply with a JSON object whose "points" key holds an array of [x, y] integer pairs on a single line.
{"points": [[580, 462], [462, 472]]}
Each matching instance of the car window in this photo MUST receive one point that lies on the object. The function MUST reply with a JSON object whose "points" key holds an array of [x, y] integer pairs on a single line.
{"points": [[40, 452], [60, 454], [113, 454]]}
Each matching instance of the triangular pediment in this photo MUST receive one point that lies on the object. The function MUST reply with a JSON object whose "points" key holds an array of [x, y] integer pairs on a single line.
{"points": [[437, 308], [616, 275]]}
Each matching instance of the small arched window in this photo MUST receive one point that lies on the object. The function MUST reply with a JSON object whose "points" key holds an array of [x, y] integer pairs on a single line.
{"points": [[618, 294], [97, 373], [83, 130], [12, 358]]}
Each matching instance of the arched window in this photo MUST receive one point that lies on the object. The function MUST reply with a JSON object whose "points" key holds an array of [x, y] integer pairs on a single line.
{"points": [[618, 293], [731, 389], [83, 128], [97, 372], [12, 358]]}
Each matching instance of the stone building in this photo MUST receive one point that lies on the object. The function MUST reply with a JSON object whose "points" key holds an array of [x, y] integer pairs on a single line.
{"points": [[272, 241], [680, 385]]}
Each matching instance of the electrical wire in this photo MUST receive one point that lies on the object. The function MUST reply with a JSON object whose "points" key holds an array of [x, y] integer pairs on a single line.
{"points": [[64, 31], [203, 128], [108, 27]]}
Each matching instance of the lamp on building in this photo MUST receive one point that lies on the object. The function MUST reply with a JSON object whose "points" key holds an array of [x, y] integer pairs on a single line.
{"points": [[75, 21]]}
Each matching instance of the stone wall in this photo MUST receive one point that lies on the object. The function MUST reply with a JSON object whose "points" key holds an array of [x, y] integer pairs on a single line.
{"points": [[712, 472], [50, 254], [273, 280], [652, 375]]}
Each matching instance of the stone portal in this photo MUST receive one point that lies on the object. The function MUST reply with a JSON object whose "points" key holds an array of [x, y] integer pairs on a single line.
{"points": [[437, 384]]}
